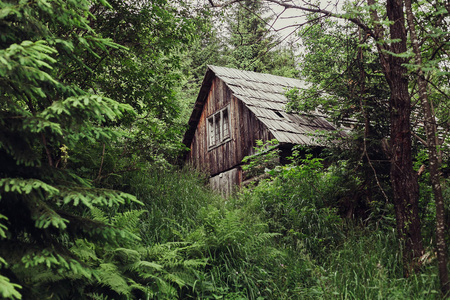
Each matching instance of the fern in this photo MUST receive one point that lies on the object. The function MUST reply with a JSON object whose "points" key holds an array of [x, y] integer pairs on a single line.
{"points": [[43, 120], [129, 220], [99, 215], [126, 256], [110, 275], [165, 289], [96, 296], [146, 267], [85, 251]]}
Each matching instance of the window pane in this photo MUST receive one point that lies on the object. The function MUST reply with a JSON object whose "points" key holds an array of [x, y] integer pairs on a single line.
{"points": [[211, 131], [217, 128], [226, 124]]}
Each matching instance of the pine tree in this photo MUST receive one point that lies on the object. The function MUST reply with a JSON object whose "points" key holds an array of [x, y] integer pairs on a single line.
{"points": [[252, 45], [44, 119]]}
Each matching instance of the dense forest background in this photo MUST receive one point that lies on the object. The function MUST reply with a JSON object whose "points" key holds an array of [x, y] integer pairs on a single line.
{"points": [[94, 203]]}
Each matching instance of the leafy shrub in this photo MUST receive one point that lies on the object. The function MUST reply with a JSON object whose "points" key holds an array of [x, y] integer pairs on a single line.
{"points": [[295, 204], [266, 158]]}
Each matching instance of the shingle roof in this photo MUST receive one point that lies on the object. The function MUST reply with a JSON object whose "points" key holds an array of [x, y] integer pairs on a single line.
{"points": [[264, 96]]}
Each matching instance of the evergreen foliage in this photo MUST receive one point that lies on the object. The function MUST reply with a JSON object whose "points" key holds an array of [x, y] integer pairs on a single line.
{"points": [[239, 37], [52, 110], [250, 39], [89, 118], [252, 46]]}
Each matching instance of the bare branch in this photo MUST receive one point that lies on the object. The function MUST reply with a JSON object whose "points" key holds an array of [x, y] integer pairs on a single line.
{"points": [[420, 139], [47, 151], [101, 162], [309, 8]]}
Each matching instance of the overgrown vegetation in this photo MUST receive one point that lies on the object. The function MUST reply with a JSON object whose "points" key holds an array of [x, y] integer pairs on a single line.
{"points": [[92, 206]]}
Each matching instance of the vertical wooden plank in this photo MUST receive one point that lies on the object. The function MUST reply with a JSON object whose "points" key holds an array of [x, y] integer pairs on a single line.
{"points": [[231, 153], [214, 164], [240, 176], [234, 127], [224, 184], [213, 97], [206, 108], [228, 95], [193, 159], [211, 161], [220, 100], [219, 158], [232, 181], [241, 131], [198, 154], [215, 104], [240, 127], [252, 132], [248, 136], [209, 155], [226, 156], [195, 150], [204, 145], [200, 143]]}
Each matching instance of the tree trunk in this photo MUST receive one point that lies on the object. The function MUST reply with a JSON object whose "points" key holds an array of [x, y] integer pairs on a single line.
{"points": [[403, 178], [431, 133]]}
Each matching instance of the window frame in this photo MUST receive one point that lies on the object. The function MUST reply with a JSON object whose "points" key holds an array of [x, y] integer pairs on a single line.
{"points": [[220, 120]]}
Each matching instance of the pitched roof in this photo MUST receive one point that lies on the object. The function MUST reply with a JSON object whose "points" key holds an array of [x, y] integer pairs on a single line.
{"points": [[264, 96]]}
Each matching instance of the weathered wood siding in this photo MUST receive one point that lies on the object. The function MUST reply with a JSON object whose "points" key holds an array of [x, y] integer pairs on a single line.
{"points": [[226, 182], [245, 130]]}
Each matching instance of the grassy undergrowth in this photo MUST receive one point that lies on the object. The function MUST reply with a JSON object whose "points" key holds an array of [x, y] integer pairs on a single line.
{"points": [[367, 266], [280, 240]]}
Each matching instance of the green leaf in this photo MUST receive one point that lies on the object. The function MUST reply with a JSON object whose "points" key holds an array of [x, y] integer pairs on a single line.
{"points": [[407, 54], [26, 186], [8, 290]]}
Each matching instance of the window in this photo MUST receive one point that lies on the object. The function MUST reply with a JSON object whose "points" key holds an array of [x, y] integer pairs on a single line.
{"points": [[218, 128]]}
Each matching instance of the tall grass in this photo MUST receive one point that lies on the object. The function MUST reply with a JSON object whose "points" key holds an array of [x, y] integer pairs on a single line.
{"points": [[367, 266], [173, 200], [345, 261], [280, 240], [243, 259]]}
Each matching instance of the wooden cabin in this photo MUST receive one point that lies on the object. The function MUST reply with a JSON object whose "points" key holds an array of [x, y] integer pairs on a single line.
{"points": [[235, 108]]}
